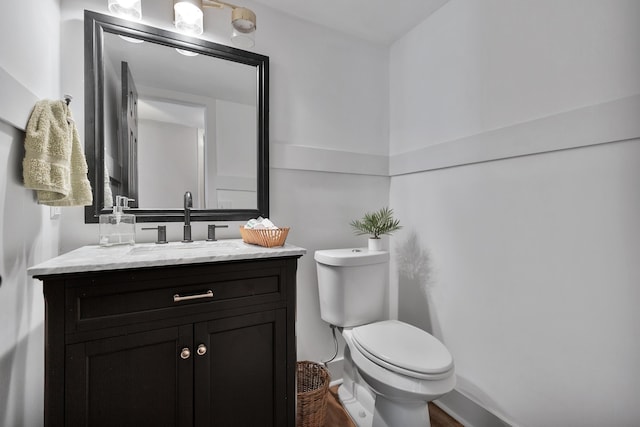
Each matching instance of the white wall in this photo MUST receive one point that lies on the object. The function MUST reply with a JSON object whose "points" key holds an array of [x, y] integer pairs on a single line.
{"points": [[29, 69], [524, 258]]}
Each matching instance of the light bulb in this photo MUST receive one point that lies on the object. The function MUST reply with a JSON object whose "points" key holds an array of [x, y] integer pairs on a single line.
{"points": [[186, 52], [242, 40], [188, 17], [130, 9]]}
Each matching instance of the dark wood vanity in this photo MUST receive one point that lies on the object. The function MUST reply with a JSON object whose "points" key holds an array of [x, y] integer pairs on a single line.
{"points": [[206, 344]]}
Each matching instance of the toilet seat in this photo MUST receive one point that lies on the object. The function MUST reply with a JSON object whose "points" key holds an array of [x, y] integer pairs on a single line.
{"points": [[404, 349]]}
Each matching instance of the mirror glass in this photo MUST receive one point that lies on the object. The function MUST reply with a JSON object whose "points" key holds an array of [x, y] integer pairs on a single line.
{"points": [[167, 113]]}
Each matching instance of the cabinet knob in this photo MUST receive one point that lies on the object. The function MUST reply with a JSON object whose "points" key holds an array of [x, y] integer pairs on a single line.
{"points": [[185, 353], [202, 350]]}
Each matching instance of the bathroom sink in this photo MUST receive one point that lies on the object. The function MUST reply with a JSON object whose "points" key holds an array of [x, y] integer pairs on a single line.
{"points": [[181, 249]]}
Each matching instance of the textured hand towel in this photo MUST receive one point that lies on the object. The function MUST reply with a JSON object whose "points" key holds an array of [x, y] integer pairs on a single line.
{"points": [[54, 162]]}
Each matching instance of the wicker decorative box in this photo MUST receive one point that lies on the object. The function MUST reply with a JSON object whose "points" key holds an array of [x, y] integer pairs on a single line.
{"points": [[264, 237]]}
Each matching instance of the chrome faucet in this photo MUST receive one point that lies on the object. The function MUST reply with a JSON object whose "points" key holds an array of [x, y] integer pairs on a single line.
{"points": [[188, 204]]}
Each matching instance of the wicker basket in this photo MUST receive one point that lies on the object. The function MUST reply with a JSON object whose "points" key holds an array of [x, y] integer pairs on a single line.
{"points": [[264, 237], [312, 382]]}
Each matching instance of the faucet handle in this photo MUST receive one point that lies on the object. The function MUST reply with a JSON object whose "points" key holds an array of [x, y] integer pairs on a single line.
{"points": [[211, 231], [162, 233], [186, 233]]}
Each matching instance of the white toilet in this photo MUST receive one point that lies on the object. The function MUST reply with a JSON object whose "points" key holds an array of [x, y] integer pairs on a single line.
{"points": [[391, 369]]}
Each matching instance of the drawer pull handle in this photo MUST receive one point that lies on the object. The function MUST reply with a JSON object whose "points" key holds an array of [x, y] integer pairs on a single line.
{"points": [[202, 350], [178, 297], [185, 353]]}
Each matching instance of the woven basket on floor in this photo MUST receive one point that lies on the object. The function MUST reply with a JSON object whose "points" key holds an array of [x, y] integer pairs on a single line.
{"points": [[264, 237], [312, 381]]}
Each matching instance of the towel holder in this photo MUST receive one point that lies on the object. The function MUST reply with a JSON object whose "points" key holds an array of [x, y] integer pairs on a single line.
{"points": [[67, 98]]}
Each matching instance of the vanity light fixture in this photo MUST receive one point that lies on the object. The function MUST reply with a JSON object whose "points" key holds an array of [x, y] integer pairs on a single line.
{"points": [[189, 17], [130, 9]]}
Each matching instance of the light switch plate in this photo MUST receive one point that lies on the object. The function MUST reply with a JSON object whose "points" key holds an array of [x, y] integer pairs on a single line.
{"points": [[54, 212]]}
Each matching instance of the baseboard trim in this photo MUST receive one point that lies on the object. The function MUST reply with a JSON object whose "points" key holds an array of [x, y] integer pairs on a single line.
{"points": [[335, 368], [468, 412], [336, 382]]}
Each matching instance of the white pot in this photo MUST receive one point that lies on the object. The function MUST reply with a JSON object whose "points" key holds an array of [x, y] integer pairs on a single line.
{"points": [[375, 244]]}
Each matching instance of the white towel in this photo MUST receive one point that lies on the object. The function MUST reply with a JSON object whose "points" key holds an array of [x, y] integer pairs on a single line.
{"points": [[54, 162]]}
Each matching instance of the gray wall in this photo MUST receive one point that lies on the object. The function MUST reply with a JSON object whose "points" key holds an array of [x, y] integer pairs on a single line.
{"points": [[29, 70]]}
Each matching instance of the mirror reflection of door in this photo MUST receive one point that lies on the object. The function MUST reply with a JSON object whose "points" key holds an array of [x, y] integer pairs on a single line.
{"points": [[129, 135], [171, 152]]}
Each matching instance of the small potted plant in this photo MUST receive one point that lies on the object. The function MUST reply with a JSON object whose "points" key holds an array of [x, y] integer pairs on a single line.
{"points": [[376, 224]]}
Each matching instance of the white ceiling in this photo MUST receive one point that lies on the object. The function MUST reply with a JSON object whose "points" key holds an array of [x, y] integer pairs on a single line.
{"points": [[378, 21]]}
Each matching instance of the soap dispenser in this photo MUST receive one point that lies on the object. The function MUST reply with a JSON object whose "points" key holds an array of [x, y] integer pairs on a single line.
{"points": [[118, 228]]}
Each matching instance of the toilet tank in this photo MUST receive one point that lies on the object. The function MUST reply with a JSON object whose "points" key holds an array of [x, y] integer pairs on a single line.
{"points": [[352, 284]]}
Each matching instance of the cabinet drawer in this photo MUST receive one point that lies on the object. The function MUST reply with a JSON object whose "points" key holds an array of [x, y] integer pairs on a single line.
{"points": [[116, 298]]}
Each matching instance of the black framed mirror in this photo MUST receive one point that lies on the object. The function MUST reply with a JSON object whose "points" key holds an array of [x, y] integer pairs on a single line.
{"points": [[166, 113]]}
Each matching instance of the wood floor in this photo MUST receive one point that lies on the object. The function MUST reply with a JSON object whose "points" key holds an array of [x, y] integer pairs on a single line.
{"points": [[337, 416], [439, 418]]}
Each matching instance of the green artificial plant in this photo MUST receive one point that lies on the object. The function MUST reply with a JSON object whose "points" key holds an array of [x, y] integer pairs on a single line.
{"points": [[376, 223]]}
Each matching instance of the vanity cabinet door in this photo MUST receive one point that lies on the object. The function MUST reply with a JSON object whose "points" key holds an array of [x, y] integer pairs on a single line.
{"points": [[137, 379], [241, 380]]}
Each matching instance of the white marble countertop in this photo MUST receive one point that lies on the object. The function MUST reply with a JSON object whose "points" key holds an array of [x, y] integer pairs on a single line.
{"points": [[98, 258]]}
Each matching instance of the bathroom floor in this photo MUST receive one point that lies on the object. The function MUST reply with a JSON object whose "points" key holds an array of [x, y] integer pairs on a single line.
{"points": [[337, 416]]}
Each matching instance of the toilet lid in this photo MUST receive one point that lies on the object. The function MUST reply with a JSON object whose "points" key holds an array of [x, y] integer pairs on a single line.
{"points": [[403, 348]]}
